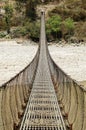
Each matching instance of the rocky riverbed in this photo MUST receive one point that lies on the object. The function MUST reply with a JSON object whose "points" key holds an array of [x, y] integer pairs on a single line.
{"points": [[14, 57], [71, 59]]}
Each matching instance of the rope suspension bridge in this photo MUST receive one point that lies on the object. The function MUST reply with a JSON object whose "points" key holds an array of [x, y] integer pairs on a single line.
{"points": [[42, 96]]}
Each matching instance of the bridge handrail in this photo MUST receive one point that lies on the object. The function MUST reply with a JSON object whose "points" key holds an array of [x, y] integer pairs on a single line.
{"points": [[71, 97], [81, 86], [12, 78], [14, 95]]}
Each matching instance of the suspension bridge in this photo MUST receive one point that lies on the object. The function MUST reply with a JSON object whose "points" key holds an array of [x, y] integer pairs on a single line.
{"points": [[42, 96]]}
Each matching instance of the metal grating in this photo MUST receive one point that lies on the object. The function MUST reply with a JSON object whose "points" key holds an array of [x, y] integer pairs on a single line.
{"points": [[42, 128]]}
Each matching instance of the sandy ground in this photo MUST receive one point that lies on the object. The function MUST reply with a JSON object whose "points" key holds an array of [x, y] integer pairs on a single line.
{"points": [[72, 59], [14, 57]]}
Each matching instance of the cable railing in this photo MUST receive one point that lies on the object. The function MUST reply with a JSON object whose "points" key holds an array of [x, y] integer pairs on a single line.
{"points": [[71, 97], [42, 111], [14, 95]]}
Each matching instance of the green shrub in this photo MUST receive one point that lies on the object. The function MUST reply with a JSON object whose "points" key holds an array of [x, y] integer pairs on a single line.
{"points": [[8, 15], [34, 30], [53, 26], [31, 29], [20, 31], [2, 34], [2, 24], [57, 28], [69, 23]]}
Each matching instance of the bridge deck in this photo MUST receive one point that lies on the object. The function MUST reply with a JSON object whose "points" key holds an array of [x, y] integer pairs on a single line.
{"points": [[42, 112]]}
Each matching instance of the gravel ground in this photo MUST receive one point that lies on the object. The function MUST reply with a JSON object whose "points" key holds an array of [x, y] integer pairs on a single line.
{"points": [[71, 59], [14, 57]]}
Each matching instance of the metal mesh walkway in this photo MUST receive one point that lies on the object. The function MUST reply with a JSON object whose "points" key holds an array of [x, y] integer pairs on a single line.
{"points": [[42, 112]]}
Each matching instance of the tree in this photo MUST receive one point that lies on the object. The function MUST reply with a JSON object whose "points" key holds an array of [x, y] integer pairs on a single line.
{"points": [[34, 31], [31, 9], [8, 16], [69, 24], [53, 26]]}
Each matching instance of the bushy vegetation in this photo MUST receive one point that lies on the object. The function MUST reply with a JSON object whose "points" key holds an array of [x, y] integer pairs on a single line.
{"points": [[29, 30], [22, 17], [69, 24], [25, 23], [8, 15], [34, 30], [54, 27], [30, 7], [19, 32], [2, 34]]}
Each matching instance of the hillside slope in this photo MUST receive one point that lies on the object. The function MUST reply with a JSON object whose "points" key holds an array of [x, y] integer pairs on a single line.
{"points": [[75, 9]]}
